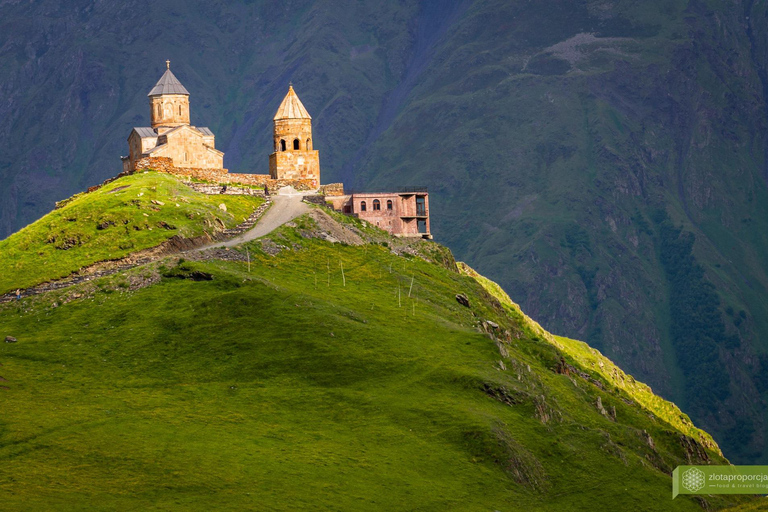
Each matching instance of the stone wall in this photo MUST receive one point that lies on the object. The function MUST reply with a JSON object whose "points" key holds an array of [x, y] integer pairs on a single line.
{"points": [[341, 204], [210, 189], [295, 165], [291, 129], [169, 109], [315, 199], [221, 176], [332, 189], [189, 148]]}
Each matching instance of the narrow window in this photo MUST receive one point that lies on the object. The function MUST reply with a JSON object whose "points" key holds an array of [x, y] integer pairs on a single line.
{"points": [[389, 204], [186, 157], [309, 145], [362, 206], [376, 205], [282, 144], [159, 111], [179, 110], [421, 207], [295, 143]]}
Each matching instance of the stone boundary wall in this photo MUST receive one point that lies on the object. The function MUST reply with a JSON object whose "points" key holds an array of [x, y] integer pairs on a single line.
{"points": [[211, 190], [248, 223], [315, 199], [221, 176], [332, 189]]}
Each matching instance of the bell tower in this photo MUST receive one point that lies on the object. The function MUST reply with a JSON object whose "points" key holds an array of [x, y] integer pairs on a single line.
{"points": [[169, 102], [294, 157]]}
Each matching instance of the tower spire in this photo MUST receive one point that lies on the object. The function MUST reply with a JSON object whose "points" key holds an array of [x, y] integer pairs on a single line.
{"points": [[291, 107]]}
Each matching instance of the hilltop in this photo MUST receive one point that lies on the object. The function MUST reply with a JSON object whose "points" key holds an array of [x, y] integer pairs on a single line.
{"points": [[324, 366], [137, 212]]}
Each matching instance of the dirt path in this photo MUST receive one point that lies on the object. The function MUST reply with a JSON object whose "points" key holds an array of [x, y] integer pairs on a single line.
{"points": [[286, 206]]}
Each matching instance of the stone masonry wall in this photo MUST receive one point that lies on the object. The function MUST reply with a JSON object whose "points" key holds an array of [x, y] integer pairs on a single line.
{"points": [[221, 176], [292, 164], [231, 190], [188, 148], [332, 189]]}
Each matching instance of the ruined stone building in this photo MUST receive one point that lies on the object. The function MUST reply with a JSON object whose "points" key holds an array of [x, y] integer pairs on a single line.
{"points": [[171, 135], [404, 213], [294, 157]]}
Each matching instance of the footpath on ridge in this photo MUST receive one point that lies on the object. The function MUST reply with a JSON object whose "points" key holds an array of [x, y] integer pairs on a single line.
{"points": [[286, 205]]}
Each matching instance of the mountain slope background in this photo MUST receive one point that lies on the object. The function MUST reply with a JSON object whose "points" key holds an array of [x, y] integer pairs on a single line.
{"points": [[604, 161]]}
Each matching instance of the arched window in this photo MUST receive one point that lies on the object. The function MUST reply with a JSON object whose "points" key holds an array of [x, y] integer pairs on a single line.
{"points": [[376, 204], [362, 206], [309, 145], [295, 143], [389, 204], [282, 144], [159, 111]]}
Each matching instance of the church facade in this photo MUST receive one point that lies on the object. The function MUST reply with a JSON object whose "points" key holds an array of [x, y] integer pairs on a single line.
{"points": [[171, 135]]}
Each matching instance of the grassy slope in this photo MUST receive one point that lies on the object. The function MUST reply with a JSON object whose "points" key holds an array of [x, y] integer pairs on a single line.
{"points": [[283, 389], [595, 362], [112, 222], [750, 507]]}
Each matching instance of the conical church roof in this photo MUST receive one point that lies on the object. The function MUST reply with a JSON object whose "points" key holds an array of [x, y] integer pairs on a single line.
{"points": [[291, 107], [168, 84]]}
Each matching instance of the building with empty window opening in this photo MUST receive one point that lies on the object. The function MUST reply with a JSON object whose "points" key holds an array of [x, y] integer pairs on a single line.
{"points": [[404, 213]]}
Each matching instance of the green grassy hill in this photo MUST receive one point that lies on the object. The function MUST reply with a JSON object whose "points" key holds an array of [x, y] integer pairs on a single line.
{"points": [[127, 215], [324, 377]]}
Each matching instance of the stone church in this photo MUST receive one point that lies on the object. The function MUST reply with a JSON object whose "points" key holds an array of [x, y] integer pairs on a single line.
{"points": [[174, 146], [171, 135]]}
